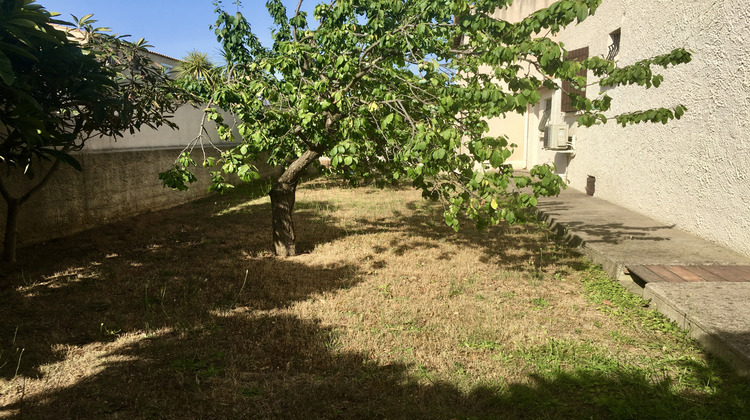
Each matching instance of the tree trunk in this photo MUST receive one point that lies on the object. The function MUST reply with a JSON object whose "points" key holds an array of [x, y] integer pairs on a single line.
{"points": [[11, 221], [11, 234], [282, 204]]}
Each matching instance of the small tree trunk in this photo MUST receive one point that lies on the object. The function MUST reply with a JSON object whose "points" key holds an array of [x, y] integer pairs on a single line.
{"points": [[11, 234], [11, 221], [282, 206]]}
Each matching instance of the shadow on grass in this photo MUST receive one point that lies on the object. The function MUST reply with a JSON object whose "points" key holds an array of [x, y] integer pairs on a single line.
{"points": [[517, 248], [284, 367], [171, 268], [216, 344]]}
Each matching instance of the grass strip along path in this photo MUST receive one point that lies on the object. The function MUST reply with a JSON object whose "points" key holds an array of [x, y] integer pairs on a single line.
{"points": [[387, 314]]}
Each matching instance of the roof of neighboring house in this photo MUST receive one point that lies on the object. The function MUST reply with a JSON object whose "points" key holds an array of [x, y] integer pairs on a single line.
{"points": [[80, 35], [164, 55]]}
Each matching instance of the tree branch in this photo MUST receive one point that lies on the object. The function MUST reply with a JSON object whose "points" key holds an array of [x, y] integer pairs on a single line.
{"points": [[294, 171], [41, 183], [296, 13], [4, 192]]}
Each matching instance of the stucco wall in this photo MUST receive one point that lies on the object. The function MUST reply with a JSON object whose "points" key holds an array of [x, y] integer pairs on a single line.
{"points": [[520, 9], [187, 118], [695, 172]]}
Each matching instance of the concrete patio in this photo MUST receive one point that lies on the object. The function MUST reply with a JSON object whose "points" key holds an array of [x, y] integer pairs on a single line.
{"points": [[715, 310]]}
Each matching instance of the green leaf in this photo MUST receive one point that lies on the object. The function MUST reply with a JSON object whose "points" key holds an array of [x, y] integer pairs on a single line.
{"points": [[6, 70], [387, 120], [583, 13], [497, 159]]}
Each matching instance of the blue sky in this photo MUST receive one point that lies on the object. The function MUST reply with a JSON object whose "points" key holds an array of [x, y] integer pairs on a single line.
{"points": [[173, 27]]}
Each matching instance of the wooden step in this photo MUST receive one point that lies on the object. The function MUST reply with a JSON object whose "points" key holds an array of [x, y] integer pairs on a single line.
{"points": [[690, 273]]}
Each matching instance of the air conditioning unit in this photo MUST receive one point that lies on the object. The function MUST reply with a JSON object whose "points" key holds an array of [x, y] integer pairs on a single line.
{"points": [[556, 137]]}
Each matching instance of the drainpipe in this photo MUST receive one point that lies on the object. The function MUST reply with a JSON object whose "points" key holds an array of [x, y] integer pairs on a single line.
{"points": [[526, 144]]}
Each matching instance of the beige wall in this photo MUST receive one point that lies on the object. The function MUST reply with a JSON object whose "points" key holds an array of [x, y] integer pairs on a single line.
{"points": [[120, 179], [518, 128], [520, 9], [695, 172], [514, 127]]}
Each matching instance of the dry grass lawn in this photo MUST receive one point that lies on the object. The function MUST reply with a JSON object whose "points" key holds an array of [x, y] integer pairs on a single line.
{"points": [[184, 313]]}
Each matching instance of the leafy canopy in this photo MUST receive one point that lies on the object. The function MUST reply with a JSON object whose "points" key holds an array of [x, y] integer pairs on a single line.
{"points": [[61, 86], [402, 89]]}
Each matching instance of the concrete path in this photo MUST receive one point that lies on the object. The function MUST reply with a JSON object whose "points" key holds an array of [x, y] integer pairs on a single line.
{"points": [[717, 314]]}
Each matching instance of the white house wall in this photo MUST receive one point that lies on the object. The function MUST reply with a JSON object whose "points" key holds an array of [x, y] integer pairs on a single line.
{"points": [[695, 172], [187, 118]]}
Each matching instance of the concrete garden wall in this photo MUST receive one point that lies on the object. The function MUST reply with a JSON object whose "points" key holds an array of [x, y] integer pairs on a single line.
{"points": [[120, 179]]}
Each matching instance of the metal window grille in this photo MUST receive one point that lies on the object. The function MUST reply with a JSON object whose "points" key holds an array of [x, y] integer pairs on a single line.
{"points": [[614, 47]]}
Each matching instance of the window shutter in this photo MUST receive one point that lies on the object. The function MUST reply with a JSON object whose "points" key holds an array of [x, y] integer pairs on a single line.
{"points": [[574, 55], [458, 39]]}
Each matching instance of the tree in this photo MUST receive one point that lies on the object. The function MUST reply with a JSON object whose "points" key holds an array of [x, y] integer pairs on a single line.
{"points": [[197, 74], [60, 88], [196, 65], [402, 89]]}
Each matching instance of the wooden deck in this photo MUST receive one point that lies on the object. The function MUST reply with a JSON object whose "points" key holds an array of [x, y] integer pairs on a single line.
{"points": [[690, 273]]}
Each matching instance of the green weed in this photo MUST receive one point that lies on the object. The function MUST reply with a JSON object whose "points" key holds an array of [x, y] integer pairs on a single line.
{"points": [[481, 345], [540, 303]]}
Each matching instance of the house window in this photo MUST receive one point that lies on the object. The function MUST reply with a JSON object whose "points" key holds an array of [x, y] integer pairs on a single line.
{"points": [[567, 86], [614, 45]]}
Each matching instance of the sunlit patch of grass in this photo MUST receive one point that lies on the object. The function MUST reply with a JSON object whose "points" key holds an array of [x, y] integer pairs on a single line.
{"points": [[57, 280], [75, 364], [243, 206], [386, 313]]}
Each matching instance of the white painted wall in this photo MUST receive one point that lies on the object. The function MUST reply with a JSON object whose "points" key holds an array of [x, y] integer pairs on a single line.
{"points": [[695, 172], [187, 118]]}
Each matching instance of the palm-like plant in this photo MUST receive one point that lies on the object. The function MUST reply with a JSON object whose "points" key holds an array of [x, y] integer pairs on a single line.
{"points": [[198, 66]]}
